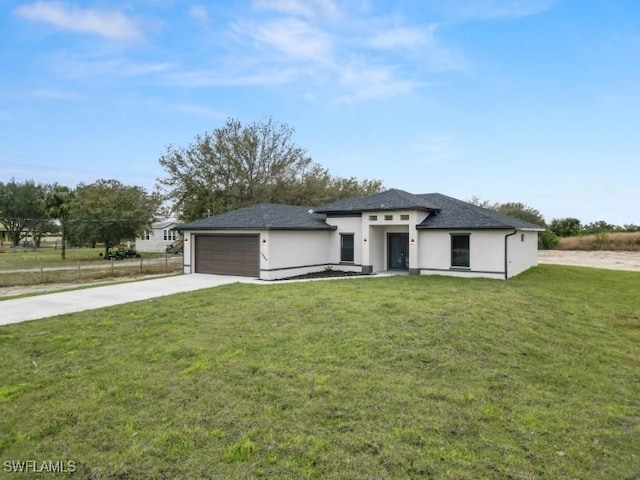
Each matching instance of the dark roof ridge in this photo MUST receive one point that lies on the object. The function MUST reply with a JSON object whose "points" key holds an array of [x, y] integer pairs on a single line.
{"points": [[492, 219], [392, 198]]}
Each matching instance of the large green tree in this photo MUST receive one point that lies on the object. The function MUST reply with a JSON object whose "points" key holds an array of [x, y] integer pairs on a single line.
{"points": [[565, 227], [57, 203], [238, 165], [108, 211], [22, 208], [523, 212], [546, 239]]}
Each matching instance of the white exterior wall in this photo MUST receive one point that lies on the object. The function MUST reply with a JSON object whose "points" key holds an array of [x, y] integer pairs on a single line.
{"points": [[291, 253], [486, 253], [522, 251], [156, 242], [375, 251], [346, 225], [283, 253]]}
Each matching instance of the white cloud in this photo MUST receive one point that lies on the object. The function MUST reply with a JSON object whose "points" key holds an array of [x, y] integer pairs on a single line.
{"points": [[108, 24], [199, 13], [403, 37], [495, 9], [213, 78], [292, 37], [300, 8], [362, 82], [82, 67]]}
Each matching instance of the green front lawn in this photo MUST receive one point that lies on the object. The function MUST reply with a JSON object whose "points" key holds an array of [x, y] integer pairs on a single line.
{"points": [[395, 377]]}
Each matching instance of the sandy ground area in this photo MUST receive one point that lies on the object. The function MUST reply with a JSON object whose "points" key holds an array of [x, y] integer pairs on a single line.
{"points": [[597, 259]]}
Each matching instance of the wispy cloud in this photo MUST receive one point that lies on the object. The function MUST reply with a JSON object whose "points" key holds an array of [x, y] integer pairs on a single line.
{"points": [[82, 66], [199, 12], [109, 24], [302, 8], [361, 82], [214, 78], [403, 37], [292, 37], [494, 9]]}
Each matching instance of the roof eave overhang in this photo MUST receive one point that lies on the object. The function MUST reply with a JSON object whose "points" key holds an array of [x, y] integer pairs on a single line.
{"points": [[503, 227], [212, 229]]}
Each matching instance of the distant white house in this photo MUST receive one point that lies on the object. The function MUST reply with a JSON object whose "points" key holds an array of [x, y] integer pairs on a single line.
{"points": [[158, 237]]}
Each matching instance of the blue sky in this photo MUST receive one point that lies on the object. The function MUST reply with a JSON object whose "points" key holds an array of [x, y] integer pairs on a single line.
{"points": [[536, 101]]}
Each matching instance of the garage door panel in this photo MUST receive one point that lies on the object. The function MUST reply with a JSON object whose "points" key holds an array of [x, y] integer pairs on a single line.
{"points": [[228, 254]]}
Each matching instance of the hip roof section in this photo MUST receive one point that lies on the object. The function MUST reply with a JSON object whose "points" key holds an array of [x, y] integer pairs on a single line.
{"points": [[263, 216]]}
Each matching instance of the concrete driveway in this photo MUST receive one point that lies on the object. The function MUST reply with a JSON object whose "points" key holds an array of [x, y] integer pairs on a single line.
{"points": [[52, 304]]}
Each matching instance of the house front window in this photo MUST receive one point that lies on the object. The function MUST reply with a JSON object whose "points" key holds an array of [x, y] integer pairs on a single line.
{"points": [[460, 250], [346, 247], [145, 235], [169, 235]]}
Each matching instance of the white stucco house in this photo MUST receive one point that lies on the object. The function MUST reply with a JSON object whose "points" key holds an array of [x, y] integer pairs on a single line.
{"points": [[158, 237], [423, 234]]}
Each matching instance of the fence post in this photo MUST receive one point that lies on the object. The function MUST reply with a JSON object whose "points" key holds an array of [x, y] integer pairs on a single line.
{"points": [[112, 267], [41, 273], [140, 263], [79, 274], [166, 262]]}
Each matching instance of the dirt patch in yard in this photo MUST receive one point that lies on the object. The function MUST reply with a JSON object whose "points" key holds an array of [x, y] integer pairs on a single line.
{"points": [[597, 259]]}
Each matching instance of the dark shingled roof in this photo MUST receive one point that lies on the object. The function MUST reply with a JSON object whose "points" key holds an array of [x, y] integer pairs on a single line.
{"points": [[392, 199], [456, 214], [444, 213], [263, 216]]}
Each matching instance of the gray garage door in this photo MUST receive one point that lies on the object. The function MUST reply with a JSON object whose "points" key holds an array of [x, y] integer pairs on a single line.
{"points": [[228, 255]]}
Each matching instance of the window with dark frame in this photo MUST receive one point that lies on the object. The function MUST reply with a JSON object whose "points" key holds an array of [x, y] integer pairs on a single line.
{"points": [[346, 247], [460, 250]]}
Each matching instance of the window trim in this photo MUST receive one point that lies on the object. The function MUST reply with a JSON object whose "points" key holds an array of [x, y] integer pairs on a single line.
{"points": [[460, 251], [169, 235], [346, 250]]}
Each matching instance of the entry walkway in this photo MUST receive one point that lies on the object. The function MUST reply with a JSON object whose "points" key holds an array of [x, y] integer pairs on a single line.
{"points": [[52, 304]]}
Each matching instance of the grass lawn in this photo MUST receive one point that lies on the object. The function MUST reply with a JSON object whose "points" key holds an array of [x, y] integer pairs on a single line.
{"points": [[394, 377]]}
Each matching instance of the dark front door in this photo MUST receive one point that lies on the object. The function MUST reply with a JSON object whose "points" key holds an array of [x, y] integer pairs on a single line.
{"points": [[398, 254]]}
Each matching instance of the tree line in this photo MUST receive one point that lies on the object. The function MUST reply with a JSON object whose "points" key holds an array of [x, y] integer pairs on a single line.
{"points": [[102, 212], [233, 166], [558, 227]]}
